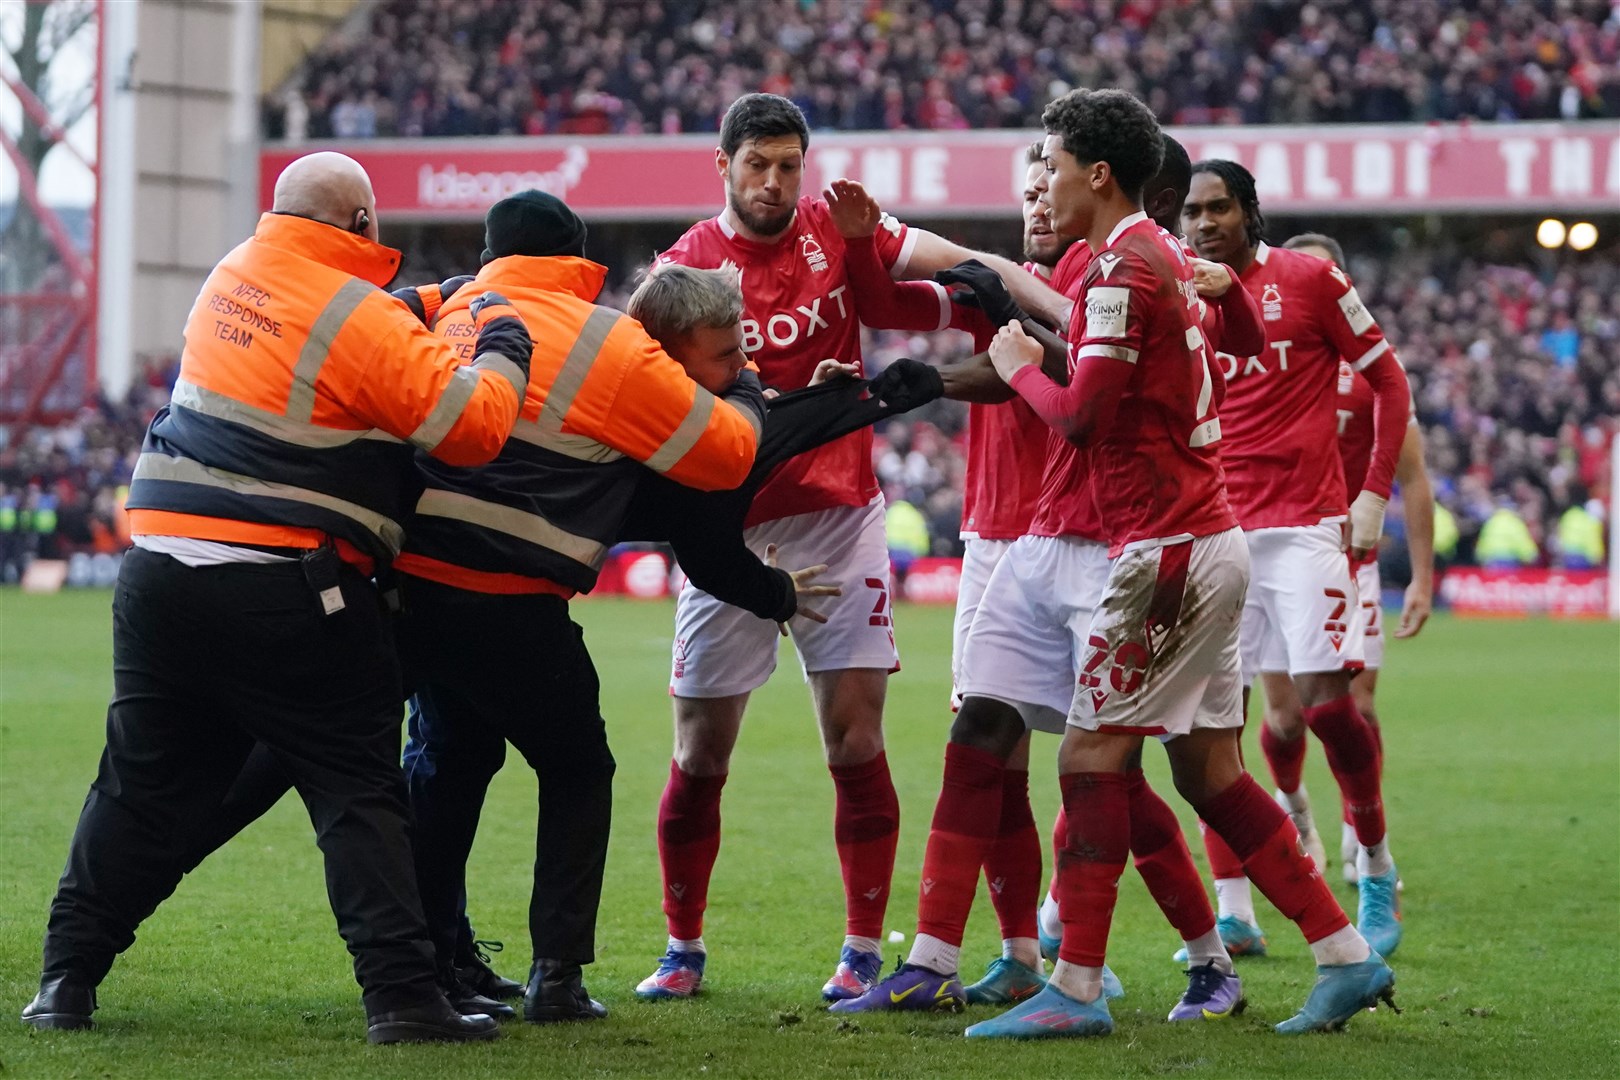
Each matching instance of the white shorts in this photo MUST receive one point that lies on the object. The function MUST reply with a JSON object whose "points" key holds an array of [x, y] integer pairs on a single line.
{"points": [[1367, 624], [1162, 653], [1301, 602], [979, 560], [1025, 641], [722, 650]]}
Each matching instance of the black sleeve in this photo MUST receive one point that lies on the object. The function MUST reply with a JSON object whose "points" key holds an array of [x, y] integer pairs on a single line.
{"points": [[804, 419], [706, 531], [748, 394]]}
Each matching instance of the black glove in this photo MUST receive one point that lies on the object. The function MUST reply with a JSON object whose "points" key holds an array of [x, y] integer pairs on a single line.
{"points": [[501, 331], [985, 289], [448, 287], [412, 298], [906, 384]]}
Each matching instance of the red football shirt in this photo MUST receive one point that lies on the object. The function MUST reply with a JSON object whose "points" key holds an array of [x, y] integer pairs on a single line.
{"points": [[1356, 427], [1155, 473], [1006, 455], [1278, 422], [798, 311], [1065, 506]]}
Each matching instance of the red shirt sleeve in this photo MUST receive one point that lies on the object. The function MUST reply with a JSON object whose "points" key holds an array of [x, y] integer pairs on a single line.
{"points": [[1359, 341], [1240, 331], [1113, 314], [886, 304]]}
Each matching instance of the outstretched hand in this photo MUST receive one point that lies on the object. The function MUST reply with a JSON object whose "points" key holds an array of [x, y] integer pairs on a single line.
{"points": [[855, 214], [803, 589], [828, 370]]}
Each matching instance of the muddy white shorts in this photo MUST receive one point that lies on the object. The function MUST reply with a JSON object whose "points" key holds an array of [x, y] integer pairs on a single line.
{"points": [[1031, 623], [1301, 602], [1161, 655], [722, 650]]}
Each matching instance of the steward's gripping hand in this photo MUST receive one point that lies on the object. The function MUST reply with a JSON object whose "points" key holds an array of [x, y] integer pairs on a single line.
{"points": [[501, 330], [906, 384], [986, 289]]}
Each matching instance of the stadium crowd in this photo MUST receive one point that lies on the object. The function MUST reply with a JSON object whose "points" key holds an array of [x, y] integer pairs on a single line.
{"points": [[486, 67], [1516, 381]]}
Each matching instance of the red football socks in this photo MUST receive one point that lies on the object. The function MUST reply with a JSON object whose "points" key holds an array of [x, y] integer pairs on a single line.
{"points": [[1098, 809], [1224, 863], [1012, 866], [1284, 757], [1260, 833], [688, 844], [1352, 754], [967, 818], [1164, 862], [866, 826]]}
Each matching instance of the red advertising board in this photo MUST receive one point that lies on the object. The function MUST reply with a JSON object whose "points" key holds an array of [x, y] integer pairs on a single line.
{"points": [[1468, 590], [1323, 170]]}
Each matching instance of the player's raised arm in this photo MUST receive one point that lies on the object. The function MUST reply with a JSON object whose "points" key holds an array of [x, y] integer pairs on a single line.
{"points": [[881, 302], [931, 253]]}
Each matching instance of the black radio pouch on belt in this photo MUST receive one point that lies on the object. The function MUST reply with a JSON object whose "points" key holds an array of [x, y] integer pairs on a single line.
{"points": [[321, 568]]}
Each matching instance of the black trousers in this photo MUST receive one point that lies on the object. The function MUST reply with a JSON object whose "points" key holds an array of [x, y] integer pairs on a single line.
{"points": [[488, 670], [207, 662]]}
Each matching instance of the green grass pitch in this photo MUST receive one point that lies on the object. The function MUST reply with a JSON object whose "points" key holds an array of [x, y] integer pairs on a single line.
{"points": [[1503, 792]]}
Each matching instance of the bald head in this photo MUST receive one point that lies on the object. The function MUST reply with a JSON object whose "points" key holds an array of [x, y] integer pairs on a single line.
{"points": [[330, 188]]}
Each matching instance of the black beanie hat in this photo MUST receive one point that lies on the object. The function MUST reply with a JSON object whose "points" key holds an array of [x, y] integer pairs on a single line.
{"points": [[532, 223]]}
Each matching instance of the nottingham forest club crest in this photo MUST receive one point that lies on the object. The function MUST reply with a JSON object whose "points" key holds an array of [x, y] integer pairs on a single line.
{"points": [[814, 257], [1271, 302]]}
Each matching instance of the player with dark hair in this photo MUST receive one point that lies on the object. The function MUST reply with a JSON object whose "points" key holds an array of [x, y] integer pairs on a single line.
{"points": [[1161, 653], [825, 506], [1284, 717], [1288, 490], [1021, 647]]}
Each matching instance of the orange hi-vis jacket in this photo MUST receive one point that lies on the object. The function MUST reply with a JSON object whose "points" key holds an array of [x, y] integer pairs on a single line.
{"points": [[604, 404], [304, 391]]}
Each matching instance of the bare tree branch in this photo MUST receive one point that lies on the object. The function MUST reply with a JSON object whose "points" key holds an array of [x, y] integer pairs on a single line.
{"points": [[70, 18]]}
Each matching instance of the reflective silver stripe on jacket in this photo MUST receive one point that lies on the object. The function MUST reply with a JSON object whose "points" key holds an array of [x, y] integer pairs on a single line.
{"points": [[154, 466], [532, 528], [547, 430], [497, 364], [318, 346], [686, 433], [188, 395], [458, 392]]}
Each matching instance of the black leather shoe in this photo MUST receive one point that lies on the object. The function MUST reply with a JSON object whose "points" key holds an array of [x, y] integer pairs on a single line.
{"points": [[556, 992], [469, 1002], [472, 965], [61, 1005], [434, 1021]]}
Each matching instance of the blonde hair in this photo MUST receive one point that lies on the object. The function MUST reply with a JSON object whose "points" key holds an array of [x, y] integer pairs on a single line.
{"points": [[673, 300]]}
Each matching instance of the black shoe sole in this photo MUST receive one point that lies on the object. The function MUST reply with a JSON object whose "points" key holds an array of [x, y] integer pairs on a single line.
{"points": [[59, 1022], [405, 1032]]}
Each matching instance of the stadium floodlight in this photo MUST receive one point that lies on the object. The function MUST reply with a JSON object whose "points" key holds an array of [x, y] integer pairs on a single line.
{"points": [[1551, 233], [1582, 235]]}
